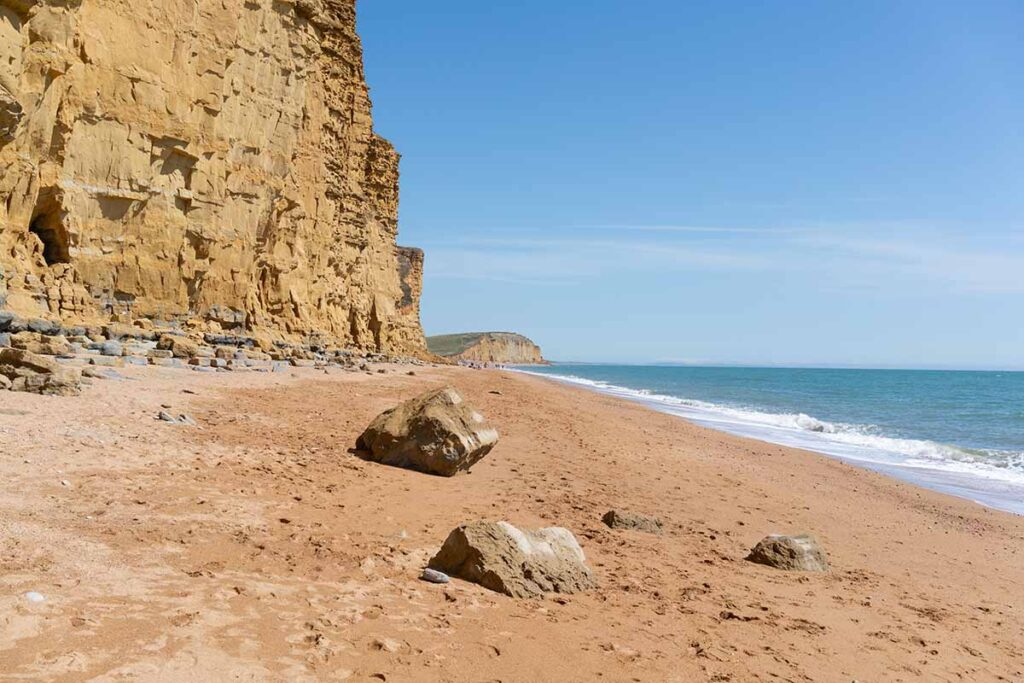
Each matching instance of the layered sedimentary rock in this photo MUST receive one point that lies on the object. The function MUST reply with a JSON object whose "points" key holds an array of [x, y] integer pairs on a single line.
{"points": [[204, 162], [487, 347], [437, 433], [521, 563]]}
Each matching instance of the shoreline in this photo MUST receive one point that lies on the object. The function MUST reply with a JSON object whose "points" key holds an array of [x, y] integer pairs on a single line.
{"points": [[255, 546], [979, 486]]}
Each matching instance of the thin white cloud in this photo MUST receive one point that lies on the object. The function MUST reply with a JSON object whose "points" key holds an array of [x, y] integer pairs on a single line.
{"points": [[697, 229], [848, 257]]}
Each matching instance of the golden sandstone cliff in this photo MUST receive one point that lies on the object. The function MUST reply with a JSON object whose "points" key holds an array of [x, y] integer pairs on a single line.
{"points": [[211, 164], [505, 348]]}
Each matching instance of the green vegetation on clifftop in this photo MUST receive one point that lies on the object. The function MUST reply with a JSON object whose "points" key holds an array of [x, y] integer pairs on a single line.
{"points": [[488, 347]]}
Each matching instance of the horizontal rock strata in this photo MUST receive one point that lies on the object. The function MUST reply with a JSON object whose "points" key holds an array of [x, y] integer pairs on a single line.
{"points": [[487, 347], [211, 163]]}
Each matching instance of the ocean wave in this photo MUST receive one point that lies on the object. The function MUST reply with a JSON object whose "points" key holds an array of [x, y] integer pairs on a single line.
{"points": [[863, 443]]}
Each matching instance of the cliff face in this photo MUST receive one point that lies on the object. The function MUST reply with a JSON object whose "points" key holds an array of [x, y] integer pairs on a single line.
{"points": [[487, 347], [208, 162]]}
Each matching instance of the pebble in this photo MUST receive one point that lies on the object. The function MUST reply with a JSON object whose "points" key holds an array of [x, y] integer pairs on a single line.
{"points": [[182, 419], [32, 596], [434, 576]]}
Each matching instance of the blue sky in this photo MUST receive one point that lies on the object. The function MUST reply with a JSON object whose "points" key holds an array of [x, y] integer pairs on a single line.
{"points": [[714, 182]]}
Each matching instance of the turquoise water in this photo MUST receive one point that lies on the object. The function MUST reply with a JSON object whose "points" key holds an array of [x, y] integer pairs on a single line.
{"points": [[957, 432]]}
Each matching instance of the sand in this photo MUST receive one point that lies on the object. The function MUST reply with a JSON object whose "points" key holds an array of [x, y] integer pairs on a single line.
{"points": [[255, 547]]}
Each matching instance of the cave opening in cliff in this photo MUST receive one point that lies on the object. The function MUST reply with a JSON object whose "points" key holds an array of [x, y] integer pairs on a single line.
{"points": [[48, 226]]}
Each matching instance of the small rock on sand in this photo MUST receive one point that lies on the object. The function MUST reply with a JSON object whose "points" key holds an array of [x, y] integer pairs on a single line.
{"points": [[434, 576], [620, 519], [182, 419], [790, 553]]}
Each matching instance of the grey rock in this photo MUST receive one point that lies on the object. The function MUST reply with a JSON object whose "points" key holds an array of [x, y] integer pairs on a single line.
{"points": [[111, 348], [229, 340], [434, 576], [5, 339], [17, 325], [41, 326], [518, 563], [790, 553]]}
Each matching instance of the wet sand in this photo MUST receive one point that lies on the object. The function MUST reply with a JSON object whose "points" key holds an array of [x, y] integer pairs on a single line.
{"points": [[255, 547]]}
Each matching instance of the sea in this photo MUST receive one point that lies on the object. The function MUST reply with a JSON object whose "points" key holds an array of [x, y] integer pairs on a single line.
{"points": [[961, 433]]}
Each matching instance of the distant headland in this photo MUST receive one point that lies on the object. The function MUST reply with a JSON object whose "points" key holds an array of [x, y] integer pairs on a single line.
{"points": [[507, 348]]}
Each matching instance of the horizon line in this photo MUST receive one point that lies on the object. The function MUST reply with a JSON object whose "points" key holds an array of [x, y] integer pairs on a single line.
{"points": [[792, 366]]}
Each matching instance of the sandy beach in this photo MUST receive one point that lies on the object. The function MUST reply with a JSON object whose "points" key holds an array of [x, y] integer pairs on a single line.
{"points": [[255, 547]]}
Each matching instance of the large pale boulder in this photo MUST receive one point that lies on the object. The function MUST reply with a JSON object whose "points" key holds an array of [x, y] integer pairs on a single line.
{"points": [[38, 374], [791, 553], [437, 433], [518, 563]]}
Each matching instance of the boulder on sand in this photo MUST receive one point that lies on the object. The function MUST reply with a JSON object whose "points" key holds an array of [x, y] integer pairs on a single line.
{"points": [[38, 374], [521, 564], [790, 553], [39, 344], [437, 433], [620, 519], [180, 347]]}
